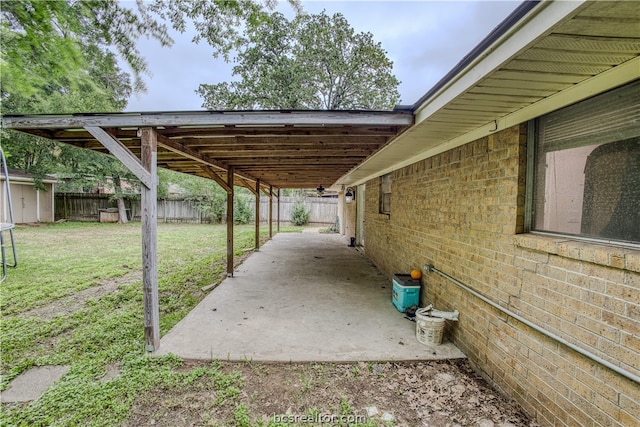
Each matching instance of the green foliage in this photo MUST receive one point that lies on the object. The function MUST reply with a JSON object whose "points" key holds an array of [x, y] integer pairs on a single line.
{"points": [[217, 22], [242, 213], [299, 215], [311, 62], [55, 57], [54, 42], [335, 228], [241, 416], [207, 196]]}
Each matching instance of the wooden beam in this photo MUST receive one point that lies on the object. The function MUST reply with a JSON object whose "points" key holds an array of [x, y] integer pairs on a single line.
{"points": [[122, 153], [257, 194], [275, 152], [214, 118], [230, 196], [149, 205], [214, 176], [253, 143], [249, 186], [315, 161], [278, 214], [280, 131], [192, 154]]}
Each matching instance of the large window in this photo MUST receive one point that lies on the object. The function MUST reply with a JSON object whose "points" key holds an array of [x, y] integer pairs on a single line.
{"points": [[385, 194], [587, 168]]}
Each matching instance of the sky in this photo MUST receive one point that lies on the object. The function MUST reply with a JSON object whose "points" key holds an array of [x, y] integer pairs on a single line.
{"points": [[424, 39]]}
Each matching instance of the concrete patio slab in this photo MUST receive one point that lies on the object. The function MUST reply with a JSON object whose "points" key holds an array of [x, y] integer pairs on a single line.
{"points": [[31, 384], [302, 297]]}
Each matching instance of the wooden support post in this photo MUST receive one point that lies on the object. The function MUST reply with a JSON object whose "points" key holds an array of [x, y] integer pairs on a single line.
{"points": [[230, 195], [149, 154], [257, 193], [271, 211], [278, 215]]}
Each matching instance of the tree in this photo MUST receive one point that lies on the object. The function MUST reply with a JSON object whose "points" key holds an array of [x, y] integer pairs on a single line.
{"points": [[56, 56], [62, 57], [51, 42], [85, 168], [218, 22], [207, 196], [311, 62], [107, 90]]}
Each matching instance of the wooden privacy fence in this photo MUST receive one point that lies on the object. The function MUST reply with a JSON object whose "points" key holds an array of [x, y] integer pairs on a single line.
{"points": [[86, 207], [322, 210]]}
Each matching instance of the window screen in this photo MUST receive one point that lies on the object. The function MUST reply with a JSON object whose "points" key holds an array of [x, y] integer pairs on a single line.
{"points": [[587, 173]]}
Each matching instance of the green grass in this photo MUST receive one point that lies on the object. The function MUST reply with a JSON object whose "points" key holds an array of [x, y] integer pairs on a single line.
{"points": [[60, 260]]}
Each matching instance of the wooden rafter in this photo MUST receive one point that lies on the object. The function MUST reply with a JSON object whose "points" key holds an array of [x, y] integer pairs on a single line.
{"points": [[312, 146], [214, 176]]}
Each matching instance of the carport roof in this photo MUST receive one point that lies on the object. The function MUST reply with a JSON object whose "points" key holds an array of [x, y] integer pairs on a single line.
{"points": [[283, 149]]}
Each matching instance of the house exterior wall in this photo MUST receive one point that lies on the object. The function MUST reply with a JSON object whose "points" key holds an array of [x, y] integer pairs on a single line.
{"points": [[463, 212]]}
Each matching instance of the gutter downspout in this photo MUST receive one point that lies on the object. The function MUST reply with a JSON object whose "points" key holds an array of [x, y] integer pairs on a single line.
{"points": [[585, 353]]}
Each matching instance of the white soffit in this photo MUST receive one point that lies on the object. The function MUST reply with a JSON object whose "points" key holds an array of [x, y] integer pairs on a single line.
{"points": [[558, 54]]}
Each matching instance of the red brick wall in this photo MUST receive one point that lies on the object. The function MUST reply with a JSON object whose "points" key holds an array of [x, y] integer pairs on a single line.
{"points": [[463, 212]]}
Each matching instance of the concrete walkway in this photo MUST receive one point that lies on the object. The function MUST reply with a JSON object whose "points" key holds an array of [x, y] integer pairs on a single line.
{"points": [[302, 297]]}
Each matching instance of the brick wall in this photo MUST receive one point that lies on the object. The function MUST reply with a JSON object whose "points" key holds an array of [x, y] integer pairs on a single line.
{"points": [[463, 212]]}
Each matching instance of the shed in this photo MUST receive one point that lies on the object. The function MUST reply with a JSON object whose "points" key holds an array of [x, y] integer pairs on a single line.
{"points": [[30, 204]]}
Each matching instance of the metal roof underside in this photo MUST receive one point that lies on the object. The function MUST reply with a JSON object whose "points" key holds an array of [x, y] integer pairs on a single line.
{"points": [[283, 149], [520, 81]]}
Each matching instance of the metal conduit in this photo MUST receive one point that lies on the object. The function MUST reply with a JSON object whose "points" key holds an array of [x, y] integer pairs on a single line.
{"points": [[585, 353]]}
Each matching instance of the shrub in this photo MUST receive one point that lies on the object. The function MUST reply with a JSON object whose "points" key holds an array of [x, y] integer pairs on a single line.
{"points": [[242, 213], [299, 215]]}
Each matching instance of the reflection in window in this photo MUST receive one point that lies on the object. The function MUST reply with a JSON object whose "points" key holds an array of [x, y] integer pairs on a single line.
{"points": [[587, 174], [593, 191], [612, 191]]}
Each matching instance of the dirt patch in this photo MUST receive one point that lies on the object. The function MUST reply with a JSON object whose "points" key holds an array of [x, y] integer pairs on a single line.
{"points": [[435, 393], [71, 303]]}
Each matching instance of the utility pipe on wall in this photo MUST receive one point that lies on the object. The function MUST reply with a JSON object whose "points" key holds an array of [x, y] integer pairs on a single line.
{"points": [[629, 375]]}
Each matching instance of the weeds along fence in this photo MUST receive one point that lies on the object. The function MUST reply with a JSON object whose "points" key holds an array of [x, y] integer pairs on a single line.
{"points": [[86, 207]]}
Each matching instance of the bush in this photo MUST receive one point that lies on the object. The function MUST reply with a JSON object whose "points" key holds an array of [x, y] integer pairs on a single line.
{"points": [[242, 213], [299, 215]]}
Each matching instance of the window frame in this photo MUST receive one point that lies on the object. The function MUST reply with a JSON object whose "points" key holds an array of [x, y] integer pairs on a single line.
{"points": [[382, 194], [531, 189]]}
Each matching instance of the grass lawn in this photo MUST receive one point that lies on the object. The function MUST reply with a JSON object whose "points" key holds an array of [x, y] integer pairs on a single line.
{"points": [[76, 299], [52, 313]]}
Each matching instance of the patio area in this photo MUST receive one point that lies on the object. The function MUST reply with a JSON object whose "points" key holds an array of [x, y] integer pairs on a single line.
{"points": [[302, 297]]}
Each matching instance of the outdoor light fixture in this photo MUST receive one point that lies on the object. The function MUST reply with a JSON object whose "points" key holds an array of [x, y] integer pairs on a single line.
{"points": [[320, 189], [350, 195]]}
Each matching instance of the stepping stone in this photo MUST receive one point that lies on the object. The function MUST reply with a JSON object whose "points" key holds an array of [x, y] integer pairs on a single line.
{"points": [[372, 411], [31, 384], [112, 372], [387, 416]]}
